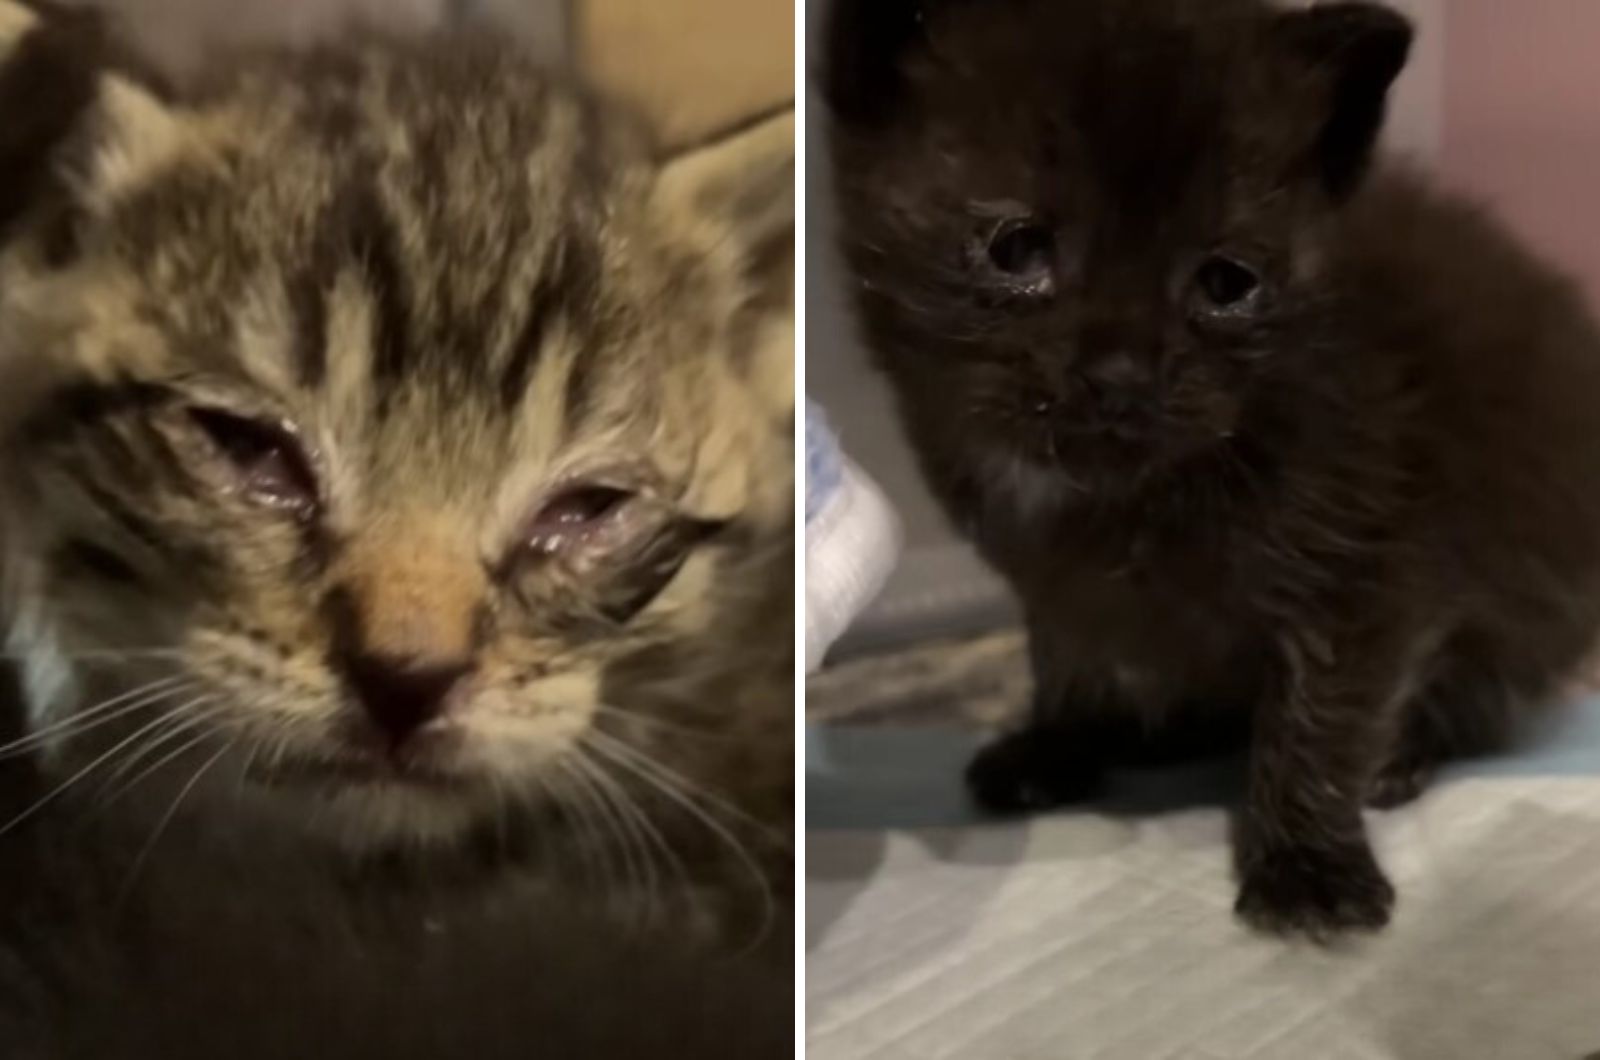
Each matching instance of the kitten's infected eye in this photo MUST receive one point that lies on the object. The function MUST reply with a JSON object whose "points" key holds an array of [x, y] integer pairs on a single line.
{"points": [[1227, 284], [1024, 249], [1015, 249], [268, 460], [573, 518]]}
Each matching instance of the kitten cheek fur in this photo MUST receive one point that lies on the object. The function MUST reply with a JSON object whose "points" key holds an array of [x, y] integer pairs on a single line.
{"points": [[459, 287], [1395, 549]]}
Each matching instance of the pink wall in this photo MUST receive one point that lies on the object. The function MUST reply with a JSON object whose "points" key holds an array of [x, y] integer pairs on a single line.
{"points": [[1521, 120]]}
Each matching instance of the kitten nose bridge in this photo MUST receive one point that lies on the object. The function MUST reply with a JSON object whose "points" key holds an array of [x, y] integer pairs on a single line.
{"points": [[1118, 353], [407, 613], [1117, 368]]}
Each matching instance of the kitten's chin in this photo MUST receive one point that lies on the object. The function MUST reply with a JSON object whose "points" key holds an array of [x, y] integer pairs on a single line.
{"points": [[363, 802], [369, 816], [1114, 460], [373, 817], [1073, 469], [438, 786], [1081, 468]]}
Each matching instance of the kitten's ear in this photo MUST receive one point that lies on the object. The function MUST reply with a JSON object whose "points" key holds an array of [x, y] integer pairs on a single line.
{"points": [[741, 185], [864, 42], [48, 78], [76, 131], [1361, 48], [742, 180], [72, 115]]}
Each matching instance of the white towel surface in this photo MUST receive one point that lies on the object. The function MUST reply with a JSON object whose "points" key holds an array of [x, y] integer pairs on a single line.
{"points": [[1094, 937]]}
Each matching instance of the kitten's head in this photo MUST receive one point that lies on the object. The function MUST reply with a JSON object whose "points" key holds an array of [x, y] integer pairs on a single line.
{"points": [[378, 420], [1085, 231]]}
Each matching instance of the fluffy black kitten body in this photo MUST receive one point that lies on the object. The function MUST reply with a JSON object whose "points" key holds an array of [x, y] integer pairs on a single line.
{"points": [[1267, 443]]}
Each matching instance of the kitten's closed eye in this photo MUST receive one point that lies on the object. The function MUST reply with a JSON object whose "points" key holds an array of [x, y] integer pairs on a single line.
{"points": [[270, 465]]}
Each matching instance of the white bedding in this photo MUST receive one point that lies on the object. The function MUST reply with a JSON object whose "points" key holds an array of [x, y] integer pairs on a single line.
{"points": [[1106, 937]]}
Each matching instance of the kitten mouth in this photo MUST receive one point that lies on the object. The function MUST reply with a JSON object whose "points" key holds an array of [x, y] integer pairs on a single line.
{"points": [[1119, 431], [1126, 430]]}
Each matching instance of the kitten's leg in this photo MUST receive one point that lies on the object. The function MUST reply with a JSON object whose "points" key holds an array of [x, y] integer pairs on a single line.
{"points": [[1304, 861], [1062, 758], [1466, 708], [1047, 764], [1059, 756], [1402, 780], [1422, 747]]}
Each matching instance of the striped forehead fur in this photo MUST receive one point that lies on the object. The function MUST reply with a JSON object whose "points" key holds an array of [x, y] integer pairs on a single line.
{"points": [[468, 213], [403, 226]]}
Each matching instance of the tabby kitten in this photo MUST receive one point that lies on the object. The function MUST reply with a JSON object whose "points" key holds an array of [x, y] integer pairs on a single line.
{"points": [[1270, 446], [396, 455]]}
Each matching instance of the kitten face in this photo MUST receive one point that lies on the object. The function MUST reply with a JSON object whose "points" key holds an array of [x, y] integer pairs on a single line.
{"points": [[373, 414], [1085, 232]]}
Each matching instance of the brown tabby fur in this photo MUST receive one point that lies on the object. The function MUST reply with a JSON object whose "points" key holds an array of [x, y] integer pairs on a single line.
{"points": [[458, 285]]}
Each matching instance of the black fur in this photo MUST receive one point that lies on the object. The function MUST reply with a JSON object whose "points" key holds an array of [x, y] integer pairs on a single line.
{"points": [[1265, 441]]}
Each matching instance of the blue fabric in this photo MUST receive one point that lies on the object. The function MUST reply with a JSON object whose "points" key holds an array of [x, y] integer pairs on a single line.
{"points": [[824, 464], [860, 778]]}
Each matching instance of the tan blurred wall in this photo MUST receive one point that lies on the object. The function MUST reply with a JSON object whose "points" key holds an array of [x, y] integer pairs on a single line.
{"points": [[694, 65]]}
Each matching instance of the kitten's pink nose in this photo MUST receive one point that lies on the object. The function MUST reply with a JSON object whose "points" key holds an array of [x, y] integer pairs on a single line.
{"points": [[399, 694]]}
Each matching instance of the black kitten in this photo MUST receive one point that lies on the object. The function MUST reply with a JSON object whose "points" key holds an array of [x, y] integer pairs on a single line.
{"points": [[1264, 441]]}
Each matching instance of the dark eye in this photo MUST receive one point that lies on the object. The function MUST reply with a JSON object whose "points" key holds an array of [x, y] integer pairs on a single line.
{"points": [[270, 464], [1227, 284], [573, 517], [1024, 249]]}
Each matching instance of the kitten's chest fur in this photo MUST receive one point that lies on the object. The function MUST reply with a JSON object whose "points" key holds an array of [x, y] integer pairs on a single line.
{"points": [[1136, 605]]}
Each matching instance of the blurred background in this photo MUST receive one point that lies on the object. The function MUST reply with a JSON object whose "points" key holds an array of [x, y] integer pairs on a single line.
{"points": [[694, 66], [1501, 101]]}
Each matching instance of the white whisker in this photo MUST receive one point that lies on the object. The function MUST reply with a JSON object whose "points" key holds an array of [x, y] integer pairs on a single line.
{"points": [[597, 853], [689, 788], [166, 818], [56, 792], [244, 769], [622, 827], [101, 713], [183, 724], [651, 834], [634, 763], [660, 723], [175, 724], [109, 654]]}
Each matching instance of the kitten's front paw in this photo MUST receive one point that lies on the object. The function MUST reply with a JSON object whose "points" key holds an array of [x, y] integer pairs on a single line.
{"points": [[1317, 892], [1027, 772]]}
